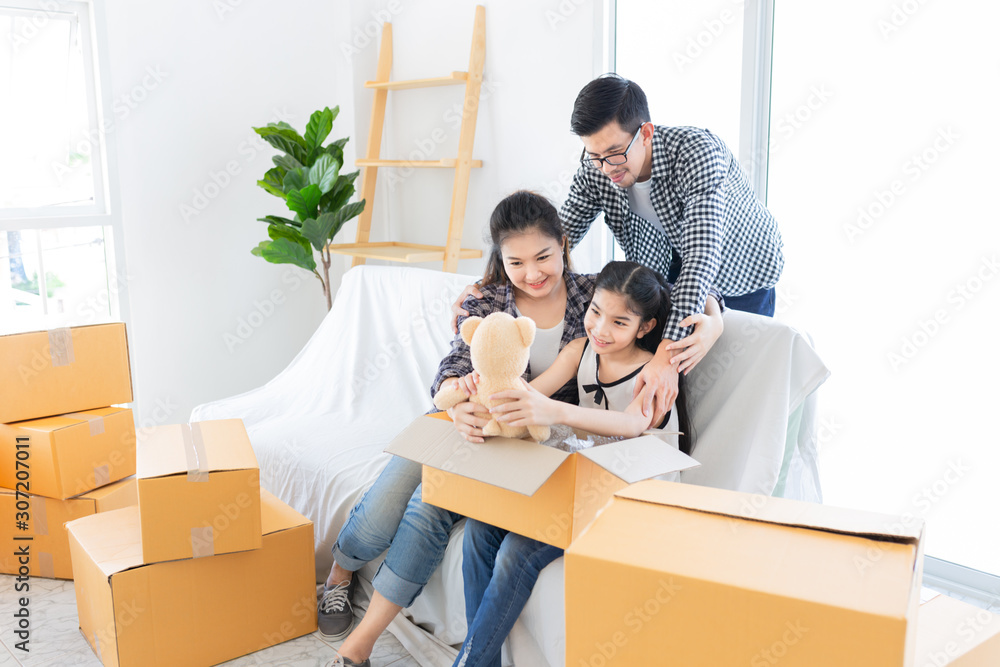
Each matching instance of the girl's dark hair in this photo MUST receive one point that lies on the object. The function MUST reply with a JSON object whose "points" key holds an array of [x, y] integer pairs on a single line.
{"points": [[647, 294], [517, 213], [609, 97]]}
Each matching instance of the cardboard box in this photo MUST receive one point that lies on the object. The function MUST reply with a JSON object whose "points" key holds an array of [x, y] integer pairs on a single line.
{"points": [[199, 611], [701, 576], [70, 454], [199, 490], [955, 634], [63, 370], [46, 540], [541, 492]]}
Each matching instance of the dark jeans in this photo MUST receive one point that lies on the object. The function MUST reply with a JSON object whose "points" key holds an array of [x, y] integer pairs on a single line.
{"points": [[760, 302]]}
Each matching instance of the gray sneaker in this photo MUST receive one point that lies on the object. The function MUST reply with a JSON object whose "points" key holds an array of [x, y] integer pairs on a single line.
{"points": [[336, 617], [350, 663]]}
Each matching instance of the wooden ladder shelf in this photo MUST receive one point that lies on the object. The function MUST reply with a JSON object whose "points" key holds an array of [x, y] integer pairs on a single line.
{"points": [[393, 251]]}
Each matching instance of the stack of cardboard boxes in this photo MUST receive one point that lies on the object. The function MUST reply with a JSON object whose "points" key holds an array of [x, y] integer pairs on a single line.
{"points": [[205, 568], [660, 573], [64, 453], [186, 562]]}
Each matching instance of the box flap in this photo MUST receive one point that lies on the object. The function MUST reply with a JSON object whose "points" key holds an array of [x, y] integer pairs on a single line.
{"points": [[164, 450], [110, 538], [768, 509], [515, 465], [276, 515], [639, 458]]}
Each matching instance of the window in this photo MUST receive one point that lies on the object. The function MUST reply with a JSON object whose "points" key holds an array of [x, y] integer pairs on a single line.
{"points": [[57, 263]]}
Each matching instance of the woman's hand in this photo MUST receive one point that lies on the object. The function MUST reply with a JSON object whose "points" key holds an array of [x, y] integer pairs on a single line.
{"points": [[527, 407], [707, 329], [469, 419], [468, 384]]}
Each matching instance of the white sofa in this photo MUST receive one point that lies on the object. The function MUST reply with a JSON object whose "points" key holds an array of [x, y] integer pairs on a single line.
{"points": [[320, 426]]}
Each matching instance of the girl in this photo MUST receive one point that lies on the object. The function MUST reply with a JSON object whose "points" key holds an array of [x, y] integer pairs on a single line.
{"points": [[623, 325], [528, 273]]}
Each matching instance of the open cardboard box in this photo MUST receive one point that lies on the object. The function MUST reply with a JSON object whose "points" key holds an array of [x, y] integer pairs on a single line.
{"points": [[534, 490], [701, 576], [191, 612], [48, 546], [73, 453], [199, 490], [63, 370]]}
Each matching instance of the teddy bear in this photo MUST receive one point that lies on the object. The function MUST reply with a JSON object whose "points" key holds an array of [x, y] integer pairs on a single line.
{"points": [[499, 346]]}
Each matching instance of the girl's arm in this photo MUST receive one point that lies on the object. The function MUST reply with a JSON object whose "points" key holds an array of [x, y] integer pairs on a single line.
{"points": [[562, 370], [529, 407]]}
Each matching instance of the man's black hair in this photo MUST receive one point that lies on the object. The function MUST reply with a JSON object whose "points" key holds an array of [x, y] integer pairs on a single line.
{"points": [[609, 97]]}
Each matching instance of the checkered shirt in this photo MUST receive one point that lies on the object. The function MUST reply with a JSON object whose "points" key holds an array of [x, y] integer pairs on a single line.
{"points": [[714, 222], [499, 298]]}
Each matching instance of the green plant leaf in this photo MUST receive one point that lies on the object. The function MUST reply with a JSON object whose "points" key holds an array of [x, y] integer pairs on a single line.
{"points": [[296, 179], [338, 218], [271, 189], [339, 195], [272, 181], [324, 173], [285, 251], [316, 230], [287, 162], [280, 140], [336, 150], [281, 129], [278, 220], [318, 128], [284, 232], [304, 201]]}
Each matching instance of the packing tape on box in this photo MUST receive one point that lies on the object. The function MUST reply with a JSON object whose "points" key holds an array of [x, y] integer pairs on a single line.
{"points": [[102, 475], [46, 565], [40, 518], [194, 450], [202, 542], [61, 346], [96, 423]]}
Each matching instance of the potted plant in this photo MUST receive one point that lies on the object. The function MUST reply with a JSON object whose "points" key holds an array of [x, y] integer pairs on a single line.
{"points": [[306, 175]]}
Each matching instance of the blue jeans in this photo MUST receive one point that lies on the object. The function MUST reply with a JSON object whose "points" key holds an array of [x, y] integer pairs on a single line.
{"points": [[499, 568], [760, 302], [392, 516]]}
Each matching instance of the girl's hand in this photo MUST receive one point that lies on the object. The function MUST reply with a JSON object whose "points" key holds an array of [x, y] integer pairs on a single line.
{"points": [[470, 418], [468, 384], [707, 329], [528, 407]]}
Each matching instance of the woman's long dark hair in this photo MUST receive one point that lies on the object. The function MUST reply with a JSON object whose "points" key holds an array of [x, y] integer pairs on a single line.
{"points": [[647, 294], [517, 213]]}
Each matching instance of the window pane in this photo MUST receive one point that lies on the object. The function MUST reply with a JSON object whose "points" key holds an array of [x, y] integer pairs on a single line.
{"points": [[687, 58], [46, 150], [75, 278], [882, 166]]}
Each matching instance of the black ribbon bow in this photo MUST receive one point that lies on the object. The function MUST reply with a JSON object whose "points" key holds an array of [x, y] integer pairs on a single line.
{"points": [[599, 396]]}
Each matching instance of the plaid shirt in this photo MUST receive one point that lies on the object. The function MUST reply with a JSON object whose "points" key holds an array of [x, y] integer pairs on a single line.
{"points": [[499, 298], [712, 217]]}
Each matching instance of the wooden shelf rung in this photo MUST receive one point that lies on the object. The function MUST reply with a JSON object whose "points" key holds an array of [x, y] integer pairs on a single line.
{"points": [[453, 79], [447, 163], [392, 251]]}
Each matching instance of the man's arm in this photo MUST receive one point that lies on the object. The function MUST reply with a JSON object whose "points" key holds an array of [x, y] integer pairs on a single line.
{"points": [[581, 208]]}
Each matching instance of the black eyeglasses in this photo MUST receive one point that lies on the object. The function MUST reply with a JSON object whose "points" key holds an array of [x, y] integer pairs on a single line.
{"points": [[614, 160]]}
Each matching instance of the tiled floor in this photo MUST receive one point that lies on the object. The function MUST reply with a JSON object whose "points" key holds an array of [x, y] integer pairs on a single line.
{"points": [[56, 638]]}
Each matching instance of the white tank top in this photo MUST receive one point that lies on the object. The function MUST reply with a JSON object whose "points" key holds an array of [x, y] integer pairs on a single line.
{"points": [[545, 347]]}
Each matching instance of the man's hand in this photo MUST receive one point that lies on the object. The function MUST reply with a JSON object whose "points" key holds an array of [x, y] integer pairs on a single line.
{"points": [[707, 330], [659, 378], [456, 308], [470, 418], [528, 407]]}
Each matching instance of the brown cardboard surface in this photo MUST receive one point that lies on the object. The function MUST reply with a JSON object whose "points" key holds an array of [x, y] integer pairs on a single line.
{"points": [[955, 634], [537, 491], [200, 611], [71, 454], [43, 375], [719, 588], [48, 545], [199, 494]]}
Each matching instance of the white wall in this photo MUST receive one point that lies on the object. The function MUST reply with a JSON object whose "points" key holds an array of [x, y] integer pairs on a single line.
{"points": [[195, 291], [191, 278]]}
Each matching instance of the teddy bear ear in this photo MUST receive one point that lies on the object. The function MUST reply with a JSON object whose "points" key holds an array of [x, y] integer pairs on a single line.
{"points": [[469, 327], [526, 327]]}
